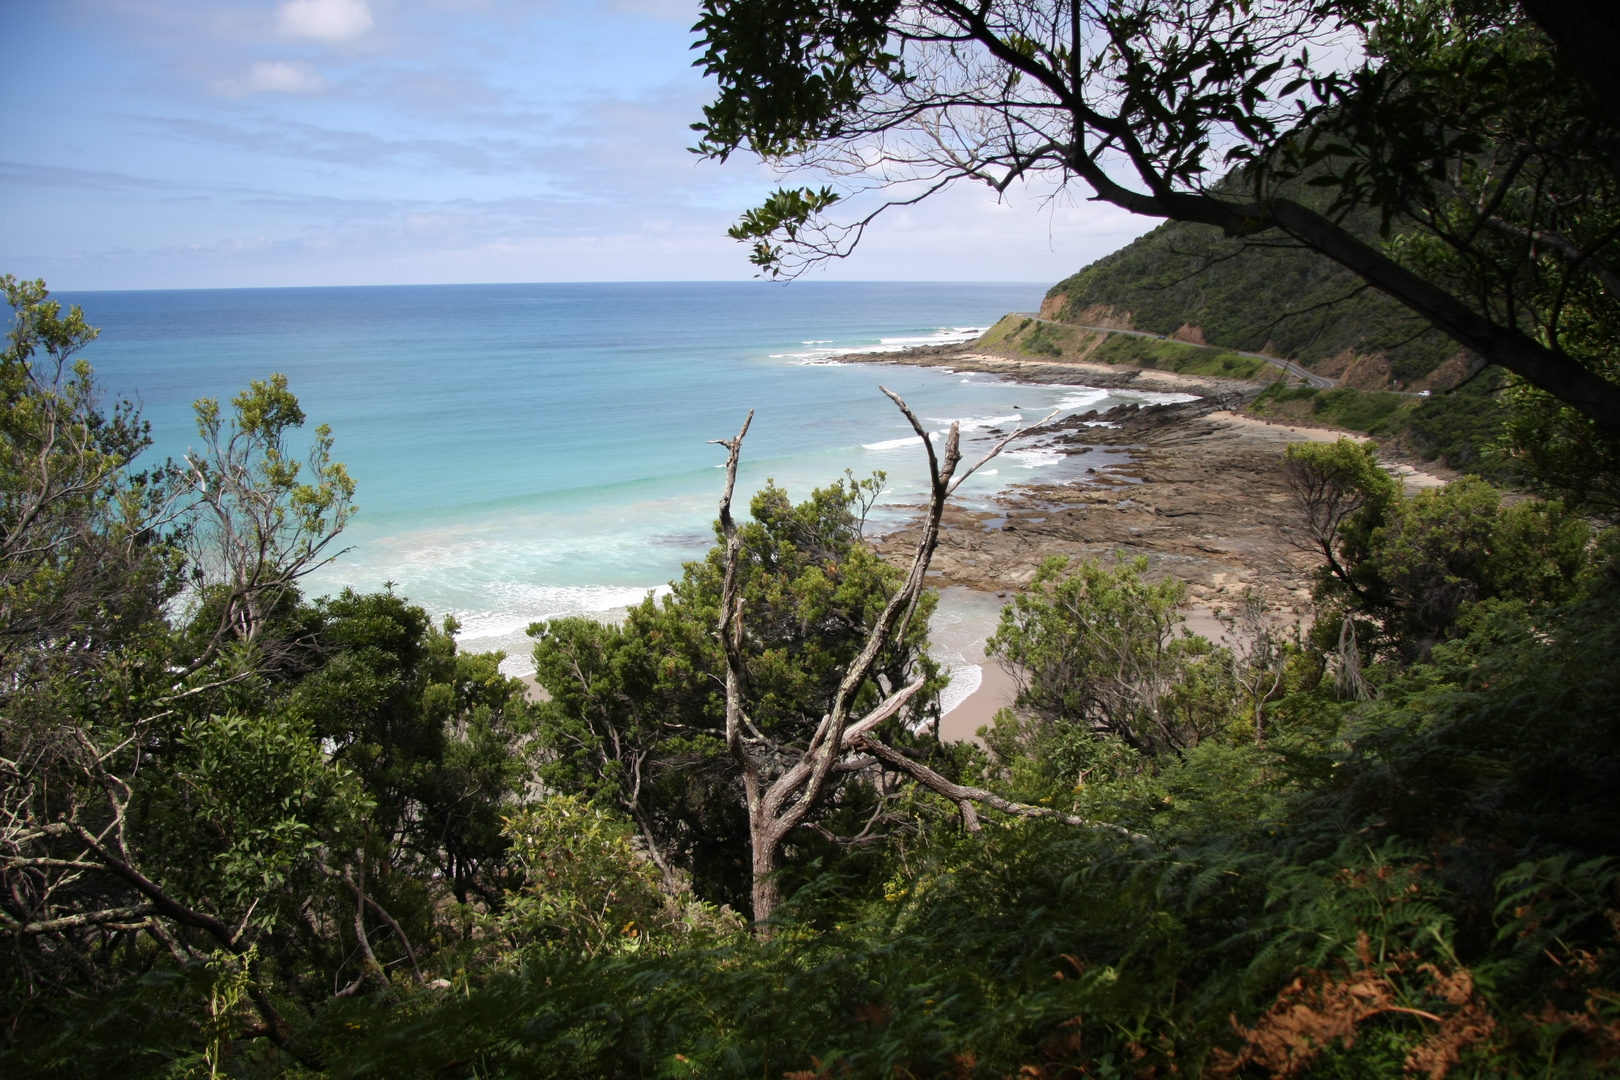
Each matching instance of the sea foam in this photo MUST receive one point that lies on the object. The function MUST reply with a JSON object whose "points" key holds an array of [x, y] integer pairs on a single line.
{"points": [[544, 450], [965, 680]]}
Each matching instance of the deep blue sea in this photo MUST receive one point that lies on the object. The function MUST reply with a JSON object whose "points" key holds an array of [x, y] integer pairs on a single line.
{"points": [[527, 451]]}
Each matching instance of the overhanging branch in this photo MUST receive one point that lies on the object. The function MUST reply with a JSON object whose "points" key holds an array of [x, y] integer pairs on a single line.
{"points": [[962, 794]]}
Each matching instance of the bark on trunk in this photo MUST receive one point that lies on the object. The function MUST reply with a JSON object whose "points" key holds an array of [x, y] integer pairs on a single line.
{"points": [[777, 807], [767, 893]]}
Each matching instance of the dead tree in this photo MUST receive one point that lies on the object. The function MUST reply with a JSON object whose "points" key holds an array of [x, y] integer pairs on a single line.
{"points": [[778, 804]]}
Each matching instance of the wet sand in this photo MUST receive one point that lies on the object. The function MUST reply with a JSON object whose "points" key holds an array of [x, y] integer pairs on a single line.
{"points": [[996, 691], [1195, 488]]}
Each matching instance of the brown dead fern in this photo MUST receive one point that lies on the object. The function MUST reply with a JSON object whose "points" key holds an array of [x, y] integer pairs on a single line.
{"points": [[1318, 1009]]}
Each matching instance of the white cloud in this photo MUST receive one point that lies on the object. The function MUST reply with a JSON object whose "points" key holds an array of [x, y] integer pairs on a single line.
{"points": [[325, 20], [274, 76]]}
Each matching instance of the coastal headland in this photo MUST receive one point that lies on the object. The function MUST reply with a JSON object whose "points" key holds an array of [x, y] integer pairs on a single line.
{"points": [[1196, 487]]}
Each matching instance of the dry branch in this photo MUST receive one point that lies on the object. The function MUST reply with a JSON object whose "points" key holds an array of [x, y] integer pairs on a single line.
{"points": [[965, 796], [776, 810]]}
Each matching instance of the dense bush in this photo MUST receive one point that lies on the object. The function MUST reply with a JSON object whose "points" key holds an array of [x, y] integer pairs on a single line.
{"points": [[1462, 430], [247, 834], [1271, 298], [1423, 882]]}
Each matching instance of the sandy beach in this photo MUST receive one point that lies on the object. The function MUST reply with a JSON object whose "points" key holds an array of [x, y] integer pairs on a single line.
{"points": [[996, 691], [1195, 487]]}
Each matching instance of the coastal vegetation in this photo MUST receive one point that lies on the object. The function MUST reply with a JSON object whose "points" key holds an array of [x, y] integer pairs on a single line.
{"points": [[249, 833], [1464, 430], [246, 832], [1027, 336]]}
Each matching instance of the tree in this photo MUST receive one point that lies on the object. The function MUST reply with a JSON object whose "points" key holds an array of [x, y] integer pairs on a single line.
{"points": [[1461, 122], [637, 711], [1405, 570], [784, 783], [142, 813], [261, 521], [1099, 658], [84, 559], [434, 736]]}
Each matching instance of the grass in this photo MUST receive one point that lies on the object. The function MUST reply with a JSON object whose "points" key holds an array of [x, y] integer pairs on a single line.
{"points": [[1182, 358], [1032, 337]]}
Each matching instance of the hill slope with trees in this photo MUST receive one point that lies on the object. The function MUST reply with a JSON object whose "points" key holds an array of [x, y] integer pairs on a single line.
{"points": [[1189, 281], [244, 833]]}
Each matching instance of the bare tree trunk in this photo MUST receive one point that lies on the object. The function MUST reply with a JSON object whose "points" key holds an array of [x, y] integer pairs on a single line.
{"points": [[776, 808], [767, 890]]}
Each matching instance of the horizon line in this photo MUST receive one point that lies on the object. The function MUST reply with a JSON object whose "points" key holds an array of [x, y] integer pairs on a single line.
{"points": [[608, 281]]}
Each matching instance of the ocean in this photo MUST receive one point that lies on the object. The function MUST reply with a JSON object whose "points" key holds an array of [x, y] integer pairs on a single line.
{"points": [[528, 451]]}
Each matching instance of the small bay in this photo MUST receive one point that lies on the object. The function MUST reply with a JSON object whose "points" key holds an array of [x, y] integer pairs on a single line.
{"points": [[528, 451]]}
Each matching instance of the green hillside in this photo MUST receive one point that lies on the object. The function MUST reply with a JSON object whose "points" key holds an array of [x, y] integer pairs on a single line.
{"points": [[1221, 299], [1279, 300], [1027, 336]]}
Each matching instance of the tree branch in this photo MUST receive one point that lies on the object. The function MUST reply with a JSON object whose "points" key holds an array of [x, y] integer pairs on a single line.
{"points": [[961, 794]]}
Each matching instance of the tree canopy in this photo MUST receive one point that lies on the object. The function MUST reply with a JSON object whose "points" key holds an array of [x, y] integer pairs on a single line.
{"points": [[1461, 122]]}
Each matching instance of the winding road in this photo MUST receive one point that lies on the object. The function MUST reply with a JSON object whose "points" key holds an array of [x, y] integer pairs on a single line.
{"points": [[1321, 382]]}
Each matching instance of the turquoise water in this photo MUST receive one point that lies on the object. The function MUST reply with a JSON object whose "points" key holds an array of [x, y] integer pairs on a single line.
{"points": [[527, 451]]}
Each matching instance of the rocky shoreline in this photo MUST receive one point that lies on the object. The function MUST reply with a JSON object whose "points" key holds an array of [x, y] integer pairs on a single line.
{"points": [[1195, 487]]}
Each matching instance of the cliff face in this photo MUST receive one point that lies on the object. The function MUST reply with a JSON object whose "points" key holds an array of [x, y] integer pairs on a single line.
{"points": [[1189, 282]]}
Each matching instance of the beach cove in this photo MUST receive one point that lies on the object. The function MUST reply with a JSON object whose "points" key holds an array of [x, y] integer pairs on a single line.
{"points": [[530, 452], [524, 452]]}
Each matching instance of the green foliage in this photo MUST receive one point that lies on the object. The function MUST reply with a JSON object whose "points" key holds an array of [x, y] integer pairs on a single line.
{"points": [[84, 563], [587, 888], [1041, 340], [237, 811], [1413, 566], [220, 812], [1445, 850], [787, 211], [261, 521], [583, 884], [787, 70], [637, 712], [1561, 452], [1284, 301], [1358, 410], [1462, 430], [435, 736], [1101, 658]]}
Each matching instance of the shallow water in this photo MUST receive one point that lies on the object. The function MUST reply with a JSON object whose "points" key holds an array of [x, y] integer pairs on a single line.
{"points": [[529, 451]]}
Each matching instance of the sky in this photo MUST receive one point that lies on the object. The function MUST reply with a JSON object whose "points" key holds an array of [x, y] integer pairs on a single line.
{"points": [[160, 144]]}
